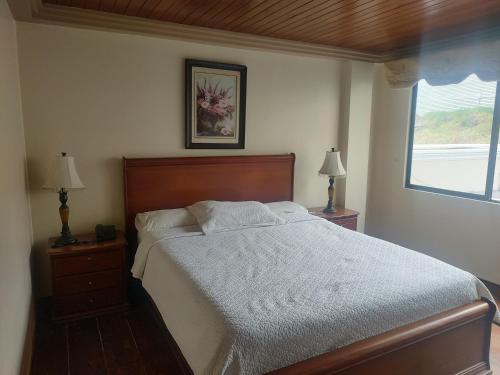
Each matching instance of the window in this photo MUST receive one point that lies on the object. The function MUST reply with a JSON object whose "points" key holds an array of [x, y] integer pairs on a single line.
{"points": [[453, 140]]}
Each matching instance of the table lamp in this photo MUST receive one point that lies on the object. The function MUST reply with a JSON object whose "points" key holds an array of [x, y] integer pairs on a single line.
{"points": [[332, 167], [63, 176]]}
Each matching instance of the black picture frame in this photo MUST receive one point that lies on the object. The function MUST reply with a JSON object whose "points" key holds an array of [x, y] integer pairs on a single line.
{"points": [[192, 128]]}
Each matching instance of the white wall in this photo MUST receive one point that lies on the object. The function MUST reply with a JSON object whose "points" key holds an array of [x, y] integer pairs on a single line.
{"points": [[15, 222], [101, 95], [459, 231], [358, 138], [354, 136]]}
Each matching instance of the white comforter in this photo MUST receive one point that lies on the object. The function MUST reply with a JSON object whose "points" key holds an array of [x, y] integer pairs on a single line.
{"points": [[289, 292]]}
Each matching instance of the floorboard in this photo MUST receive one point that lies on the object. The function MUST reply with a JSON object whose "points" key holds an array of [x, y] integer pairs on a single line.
{"points": [[85, 348], [495, 349], [152, 345], [123, 344], [120, 349], [50, 356]]}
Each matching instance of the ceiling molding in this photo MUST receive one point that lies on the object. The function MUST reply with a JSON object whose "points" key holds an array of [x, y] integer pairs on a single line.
{"points": [[36, 11], [69, 16], [21, 9]]}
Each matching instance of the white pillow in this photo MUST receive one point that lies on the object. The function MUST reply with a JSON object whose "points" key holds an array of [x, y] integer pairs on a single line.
{"points": [[164, 219], [215, 216], [286, 207]]}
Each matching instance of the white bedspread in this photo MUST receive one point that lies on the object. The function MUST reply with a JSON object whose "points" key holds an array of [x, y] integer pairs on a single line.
{"points": [[280, 294]]}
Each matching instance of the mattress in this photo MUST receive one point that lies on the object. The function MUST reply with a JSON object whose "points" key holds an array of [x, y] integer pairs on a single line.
{"points": [[253, 300]]}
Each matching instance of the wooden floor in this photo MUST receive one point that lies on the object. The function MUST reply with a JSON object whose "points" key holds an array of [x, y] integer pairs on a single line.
{"points": [[495, 350], [124, 343]]}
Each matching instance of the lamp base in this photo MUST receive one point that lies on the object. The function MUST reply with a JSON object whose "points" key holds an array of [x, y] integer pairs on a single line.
{"points": [[329, 210], [65, 239], [330, 206], [66, 236]]}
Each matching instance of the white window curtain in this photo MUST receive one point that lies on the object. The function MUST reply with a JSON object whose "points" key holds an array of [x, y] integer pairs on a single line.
{"points": [[447, 66]]}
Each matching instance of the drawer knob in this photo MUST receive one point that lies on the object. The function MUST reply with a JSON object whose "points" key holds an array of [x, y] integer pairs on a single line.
{"points": [[90, 282], [89, 258], [91, 300]]}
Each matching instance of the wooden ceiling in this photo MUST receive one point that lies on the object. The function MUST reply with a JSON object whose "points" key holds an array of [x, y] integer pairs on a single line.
{"points": [[369, 26]]}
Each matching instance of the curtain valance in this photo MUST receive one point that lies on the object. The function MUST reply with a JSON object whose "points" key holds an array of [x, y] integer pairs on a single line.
{"points": [[447, 66]]}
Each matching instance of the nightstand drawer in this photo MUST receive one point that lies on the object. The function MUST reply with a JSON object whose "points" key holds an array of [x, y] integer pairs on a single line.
{"points": [[83, 302], [351, 223], [89, 262], [87, 282], [89, 278]]}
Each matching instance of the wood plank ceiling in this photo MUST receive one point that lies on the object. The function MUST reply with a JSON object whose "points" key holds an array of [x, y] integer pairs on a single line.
{"points": [[371, 26]]}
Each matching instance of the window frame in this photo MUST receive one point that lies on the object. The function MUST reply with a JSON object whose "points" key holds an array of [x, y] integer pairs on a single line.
{"points": [[490, 174]]}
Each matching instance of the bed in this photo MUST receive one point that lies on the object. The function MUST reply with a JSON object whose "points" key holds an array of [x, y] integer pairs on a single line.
{"points": [[454, 339]]}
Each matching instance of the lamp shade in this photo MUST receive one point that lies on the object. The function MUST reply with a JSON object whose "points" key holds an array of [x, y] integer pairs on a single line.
{"points": [[332, 166], [63, 174]]}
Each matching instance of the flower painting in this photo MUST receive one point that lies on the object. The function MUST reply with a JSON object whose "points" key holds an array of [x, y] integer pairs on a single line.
{"points": [[215, 105]]}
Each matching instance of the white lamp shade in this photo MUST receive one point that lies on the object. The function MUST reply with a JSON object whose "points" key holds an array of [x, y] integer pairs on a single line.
{"points": [[332, 166], [63, 174]]}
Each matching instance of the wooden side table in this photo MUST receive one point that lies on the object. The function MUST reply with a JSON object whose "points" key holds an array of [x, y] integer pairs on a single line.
{"points": [[343, 216], [88, 279]]}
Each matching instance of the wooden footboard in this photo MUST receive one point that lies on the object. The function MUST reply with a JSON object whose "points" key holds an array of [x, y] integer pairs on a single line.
{"points": [[455, 342]]}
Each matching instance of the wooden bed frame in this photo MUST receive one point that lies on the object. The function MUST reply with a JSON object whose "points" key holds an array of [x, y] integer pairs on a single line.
{"points": [[454, 342]]}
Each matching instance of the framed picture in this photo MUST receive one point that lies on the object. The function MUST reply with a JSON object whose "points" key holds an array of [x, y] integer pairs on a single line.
{"points": [[215, 104]]}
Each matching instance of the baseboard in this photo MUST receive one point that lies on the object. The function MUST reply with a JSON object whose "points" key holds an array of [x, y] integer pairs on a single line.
{"points": [[29, 342], [479, 369]]}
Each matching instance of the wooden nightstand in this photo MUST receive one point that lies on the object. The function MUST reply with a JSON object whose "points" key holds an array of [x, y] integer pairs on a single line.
{"points": [[343, 217], [88, 279]]}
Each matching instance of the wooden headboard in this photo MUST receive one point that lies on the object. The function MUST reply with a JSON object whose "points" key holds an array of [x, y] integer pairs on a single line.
{"points": [[159, 183]]}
